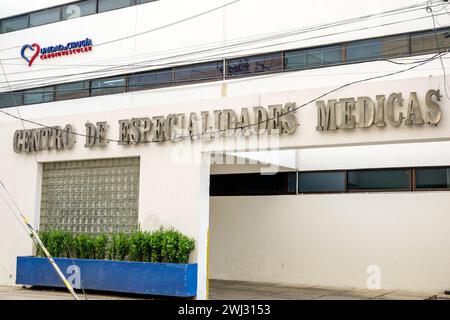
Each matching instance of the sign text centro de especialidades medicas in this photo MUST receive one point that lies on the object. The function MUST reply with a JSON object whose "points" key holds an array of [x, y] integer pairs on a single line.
{"points": [[343, 114]]}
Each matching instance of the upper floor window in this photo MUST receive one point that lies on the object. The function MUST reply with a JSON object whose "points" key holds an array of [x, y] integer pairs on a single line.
{"points": [[45, 16], [255, 64], [11, 99], [316, 57], [152, 79], [377, 48], [107, 5], [430, 41], [14, 23], [79, 9], [64, 12], [199, 72], [72, 90], [108, 85], [39, 95]]}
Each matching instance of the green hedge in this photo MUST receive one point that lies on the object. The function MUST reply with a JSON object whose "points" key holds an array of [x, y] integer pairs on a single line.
{"points": [[163, 245]]}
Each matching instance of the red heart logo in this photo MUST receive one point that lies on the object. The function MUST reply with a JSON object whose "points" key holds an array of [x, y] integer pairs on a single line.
{"points": [[37, 48], [34, 47]]}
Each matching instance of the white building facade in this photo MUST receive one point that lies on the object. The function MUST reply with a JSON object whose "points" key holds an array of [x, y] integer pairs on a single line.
{"points": [[358, 93]]}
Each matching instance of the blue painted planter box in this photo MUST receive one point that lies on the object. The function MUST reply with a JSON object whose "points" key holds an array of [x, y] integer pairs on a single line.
{"points": [[163, 279]]}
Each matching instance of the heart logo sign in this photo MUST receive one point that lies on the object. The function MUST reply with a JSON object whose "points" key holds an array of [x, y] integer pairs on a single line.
{"points": [[34, 47]]}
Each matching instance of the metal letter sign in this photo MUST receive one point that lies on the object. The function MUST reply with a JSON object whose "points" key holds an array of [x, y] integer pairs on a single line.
{"points": [[221, 123], [334, 114], [364, 112]]}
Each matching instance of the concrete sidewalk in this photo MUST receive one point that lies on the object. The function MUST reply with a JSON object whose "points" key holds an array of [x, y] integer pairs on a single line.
{"points": [[240, 290], [234, 290], [19, 293]]}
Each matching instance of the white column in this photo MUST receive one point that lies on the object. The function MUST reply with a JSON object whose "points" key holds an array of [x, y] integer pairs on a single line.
{"points": [[202, 237]]}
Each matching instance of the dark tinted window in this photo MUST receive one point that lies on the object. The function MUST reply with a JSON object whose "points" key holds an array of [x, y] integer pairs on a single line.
{"points": [[311, 58], [389, 179], [145, 1], [106, 5], [377, 48], [430, 41], [38, 95], [14, 24], [108, 86], [292, 182], [79, 9], [152, 79], [321, 181], [249, 184], [433, 178], [72, 90], [11, 99], [255, 64], [199, 72], [45, 16]]}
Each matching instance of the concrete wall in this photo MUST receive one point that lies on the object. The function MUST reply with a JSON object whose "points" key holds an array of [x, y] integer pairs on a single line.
{"points": [[174, 193], [161, 181], [332, 239]]}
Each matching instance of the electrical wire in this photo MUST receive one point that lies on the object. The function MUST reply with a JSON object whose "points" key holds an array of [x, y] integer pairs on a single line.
{"points": [[325, 94], [303, 30], [34, 235], [276, 36], [418, 6], [210, 81], [170, 83], [110, 71], [417, 64], [200, 135], [18, 109], [430, 10], [211, 134], [160, 27], [171, 24]]}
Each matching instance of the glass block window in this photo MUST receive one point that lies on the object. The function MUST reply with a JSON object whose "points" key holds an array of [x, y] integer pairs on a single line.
{"points": [[91, 196]]}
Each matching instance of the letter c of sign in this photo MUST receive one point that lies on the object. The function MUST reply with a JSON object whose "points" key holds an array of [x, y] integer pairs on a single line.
{"points": [[34, 47]]}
